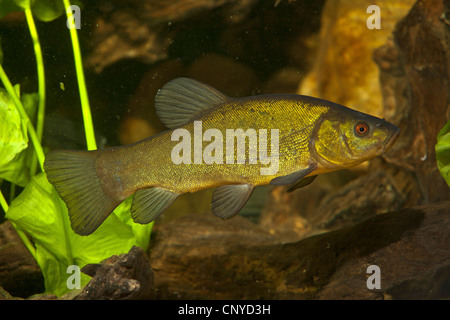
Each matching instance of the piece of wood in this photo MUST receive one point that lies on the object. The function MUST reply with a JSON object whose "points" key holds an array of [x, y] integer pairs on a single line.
{"points": [[200, 257]]}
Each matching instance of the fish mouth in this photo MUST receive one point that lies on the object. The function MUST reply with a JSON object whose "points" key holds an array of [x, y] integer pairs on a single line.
{"points": [[391, 139]]}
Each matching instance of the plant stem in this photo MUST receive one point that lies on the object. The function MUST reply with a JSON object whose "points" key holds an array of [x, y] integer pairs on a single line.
{"points": [[3, 202], [41, 82], [31, 132], [87, 117], [19, 231]]}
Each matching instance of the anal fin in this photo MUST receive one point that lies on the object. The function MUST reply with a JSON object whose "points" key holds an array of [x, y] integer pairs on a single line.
{"points": [[149, 203], [228, 200]]}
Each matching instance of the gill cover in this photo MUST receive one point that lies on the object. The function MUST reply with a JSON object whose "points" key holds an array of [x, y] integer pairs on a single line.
{"points": [[348, 137]]}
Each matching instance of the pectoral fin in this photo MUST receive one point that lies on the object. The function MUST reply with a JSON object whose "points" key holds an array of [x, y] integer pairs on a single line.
{"points": [[228, 200], [302, 183], [149, 203], [294, 177]]}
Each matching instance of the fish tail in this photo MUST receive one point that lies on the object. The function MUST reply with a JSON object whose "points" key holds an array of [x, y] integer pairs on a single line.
{"points": [[74, 175]]}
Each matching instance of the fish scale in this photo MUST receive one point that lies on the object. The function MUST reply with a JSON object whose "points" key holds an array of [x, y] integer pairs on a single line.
{"points": [[304, 137]]}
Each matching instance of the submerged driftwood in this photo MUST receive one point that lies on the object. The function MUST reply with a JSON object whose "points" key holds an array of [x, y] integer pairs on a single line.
{"points": [[205, 258], [202, 257]]}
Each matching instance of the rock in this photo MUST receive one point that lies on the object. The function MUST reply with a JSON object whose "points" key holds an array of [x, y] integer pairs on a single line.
{"points": [[295, 215], [416, 266], [20, 275], [202, 257], [47, 296], [416, 90], [4, 295], [127, 276], [188, 253], [142, 30], [412, 65], [363, 197], [344, 71]]}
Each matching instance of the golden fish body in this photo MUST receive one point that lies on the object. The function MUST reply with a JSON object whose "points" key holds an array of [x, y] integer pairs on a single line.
{"points": [[215, 141], [154, 154]]}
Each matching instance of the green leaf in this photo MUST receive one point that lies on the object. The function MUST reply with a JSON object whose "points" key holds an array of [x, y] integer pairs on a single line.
{"points": [[15, 161], [47, 10], [44, 10], [40, 212], [443, 152], [13, 130], [17, 171]]}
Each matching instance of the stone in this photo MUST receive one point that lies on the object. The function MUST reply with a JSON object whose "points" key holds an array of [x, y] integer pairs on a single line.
{"points": [[412, 68], [295, 215], [141, 30], [416, 90], [124, 277], [344, 71], [188, 253], [20, 275], [416, 266], [4, 295], [202, 257]]}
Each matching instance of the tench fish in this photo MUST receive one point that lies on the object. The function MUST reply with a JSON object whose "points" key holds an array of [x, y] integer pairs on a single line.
{"points": [[214, 141]]}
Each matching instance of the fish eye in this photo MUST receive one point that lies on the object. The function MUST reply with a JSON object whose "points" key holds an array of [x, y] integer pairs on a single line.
{"points": [[361, 129]]}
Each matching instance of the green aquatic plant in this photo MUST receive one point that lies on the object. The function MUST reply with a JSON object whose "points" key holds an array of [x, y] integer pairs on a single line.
{"points": [[443, 152], [38, 213]]}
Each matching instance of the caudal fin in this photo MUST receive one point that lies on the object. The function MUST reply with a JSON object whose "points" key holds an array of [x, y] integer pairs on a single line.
{"points": [[75, 178]]}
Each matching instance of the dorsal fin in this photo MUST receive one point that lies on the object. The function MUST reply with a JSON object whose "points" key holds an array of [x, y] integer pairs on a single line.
{"points": [[183, 99]]}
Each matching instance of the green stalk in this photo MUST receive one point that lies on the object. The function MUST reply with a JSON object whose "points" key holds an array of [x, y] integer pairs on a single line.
{"points": [[31, 132], [86, 110], [3, 202], [19, 231], [41, 82], [87, 118]]}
